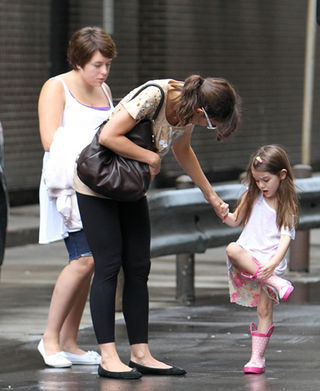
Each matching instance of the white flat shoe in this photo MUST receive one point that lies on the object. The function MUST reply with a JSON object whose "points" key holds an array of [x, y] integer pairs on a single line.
{"points": [[89, 358], [54, 360]]}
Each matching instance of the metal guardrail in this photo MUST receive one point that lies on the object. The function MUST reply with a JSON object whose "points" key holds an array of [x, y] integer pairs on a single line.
{"points": [[308, 190], [183, 222]]}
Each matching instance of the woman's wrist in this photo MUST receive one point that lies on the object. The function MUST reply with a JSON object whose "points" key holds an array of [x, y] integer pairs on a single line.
{"points": [[213, 199], [153, 159]]}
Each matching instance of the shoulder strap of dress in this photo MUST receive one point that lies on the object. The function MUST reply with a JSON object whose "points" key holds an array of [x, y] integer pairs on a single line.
{"points": [[105, 90]]}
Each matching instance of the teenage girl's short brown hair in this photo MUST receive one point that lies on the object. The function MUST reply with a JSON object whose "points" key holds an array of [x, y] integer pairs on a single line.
{"points": [[85, 42]]}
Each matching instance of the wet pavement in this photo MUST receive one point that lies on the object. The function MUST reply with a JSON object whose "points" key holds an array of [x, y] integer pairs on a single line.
{"points": [[209, 339]]}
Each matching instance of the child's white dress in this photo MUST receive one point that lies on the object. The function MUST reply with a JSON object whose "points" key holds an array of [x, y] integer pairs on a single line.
{"points": [[260, 237]]}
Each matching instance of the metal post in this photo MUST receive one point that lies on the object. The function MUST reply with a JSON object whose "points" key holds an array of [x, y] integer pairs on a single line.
{"points": [[299, 248], [185, 278], [185, 293], [309, 81]]}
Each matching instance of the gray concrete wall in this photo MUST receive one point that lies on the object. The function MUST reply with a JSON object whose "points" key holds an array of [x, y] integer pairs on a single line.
{"points": [[258, 45]]}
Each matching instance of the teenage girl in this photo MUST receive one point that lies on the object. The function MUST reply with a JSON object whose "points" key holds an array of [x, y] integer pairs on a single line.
{"points": [[256, 261], [71, 106]]}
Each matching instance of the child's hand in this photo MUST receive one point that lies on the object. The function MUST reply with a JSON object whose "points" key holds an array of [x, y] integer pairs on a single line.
{"points": [[266, 270]]}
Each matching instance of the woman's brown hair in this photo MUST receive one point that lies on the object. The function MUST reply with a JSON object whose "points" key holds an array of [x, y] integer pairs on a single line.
{"points": [[216, 96], [272, 159], [85, 42]]}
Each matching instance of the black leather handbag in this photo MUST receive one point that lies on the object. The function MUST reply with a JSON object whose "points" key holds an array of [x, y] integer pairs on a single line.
{"points": [[115, 176]]}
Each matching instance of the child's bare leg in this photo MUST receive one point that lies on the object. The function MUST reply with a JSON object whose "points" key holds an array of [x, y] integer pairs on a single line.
{"points": [[241, 258], [261, 335], [265, 312], [248, 264]]}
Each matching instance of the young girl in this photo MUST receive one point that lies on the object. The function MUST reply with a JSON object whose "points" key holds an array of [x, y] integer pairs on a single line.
{"points": [[256, 262]]}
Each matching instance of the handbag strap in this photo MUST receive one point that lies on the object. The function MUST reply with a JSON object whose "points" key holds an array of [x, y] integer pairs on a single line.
{"points": [[155, 115]]}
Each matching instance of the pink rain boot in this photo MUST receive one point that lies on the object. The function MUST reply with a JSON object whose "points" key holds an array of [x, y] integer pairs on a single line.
{"points": [[281, 286], [259, 345]]}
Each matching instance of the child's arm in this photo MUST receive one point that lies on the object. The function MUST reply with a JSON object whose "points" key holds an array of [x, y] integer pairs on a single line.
{"points": [[235, 218], [231, 219], [268, 269]]}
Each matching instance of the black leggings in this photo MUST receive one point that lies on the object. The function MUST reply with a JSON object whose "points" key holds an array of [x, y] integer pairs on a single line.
{"points": [[118, 234]]}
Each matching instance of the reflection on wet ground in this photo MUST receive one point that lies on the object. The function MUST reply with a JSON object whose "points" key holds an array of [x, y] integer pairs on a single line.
{"points": [[256, 383], [77, 381], [52, 380]]}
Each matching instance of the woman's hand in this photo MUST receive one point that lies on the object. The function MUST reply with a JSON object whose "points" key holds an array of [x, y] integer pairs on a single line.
{"points": [[221, 208], [224, 211], [154, 166]]}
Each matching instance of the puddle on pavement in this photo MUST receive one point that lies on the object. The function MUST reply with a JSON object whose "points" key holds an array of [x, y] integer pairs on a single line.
{"points": [[305, 293]]}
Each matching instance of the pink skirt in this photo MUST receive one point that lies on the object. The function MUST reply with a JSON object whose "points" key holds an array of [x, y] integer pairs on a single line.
{"points": [[245, 291]]}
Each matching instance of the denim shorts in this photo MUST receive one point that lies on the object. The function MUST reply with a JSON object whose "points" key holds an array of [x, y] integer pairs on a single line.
{"points": [[77, 245]]}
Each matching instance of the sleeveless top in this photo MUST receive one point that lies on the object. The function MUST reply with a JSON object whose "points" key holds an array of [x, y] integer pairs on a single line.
{"points": [[82, 120], [261, 236]]}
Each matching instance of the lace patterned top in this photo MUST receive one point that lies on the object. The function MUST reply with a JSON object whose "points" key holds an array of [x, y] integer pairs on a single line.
{"points": [[143, 106]]}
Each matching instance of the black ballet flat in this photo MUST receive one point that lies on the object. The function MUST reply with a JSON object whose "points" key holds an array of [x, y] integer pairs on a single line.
{"points": [[127, 375], [173, 371]]}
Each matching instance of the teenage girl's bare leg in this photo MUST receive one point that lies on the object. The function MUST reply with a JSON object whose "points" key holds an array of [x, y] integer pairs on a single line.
{"points": [[70, 327], [65, 292], [265, 312], [243, 261], [241, 258]]}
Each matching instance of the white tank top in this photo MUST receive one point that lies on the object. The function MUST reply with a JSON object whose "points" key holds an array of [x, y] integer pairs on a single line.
{"points": [[82, 120], [79, 116]]}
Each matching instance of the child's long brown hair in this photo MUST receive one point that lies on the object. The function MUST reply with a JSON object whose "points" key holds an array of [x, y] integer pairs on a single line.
{"points": [[273, 159]]}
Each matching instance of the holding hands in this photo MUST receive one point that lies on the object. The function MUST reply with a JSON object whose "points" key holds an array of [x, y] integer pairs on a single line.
{"points": [[220, 207], [222, 210]]}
